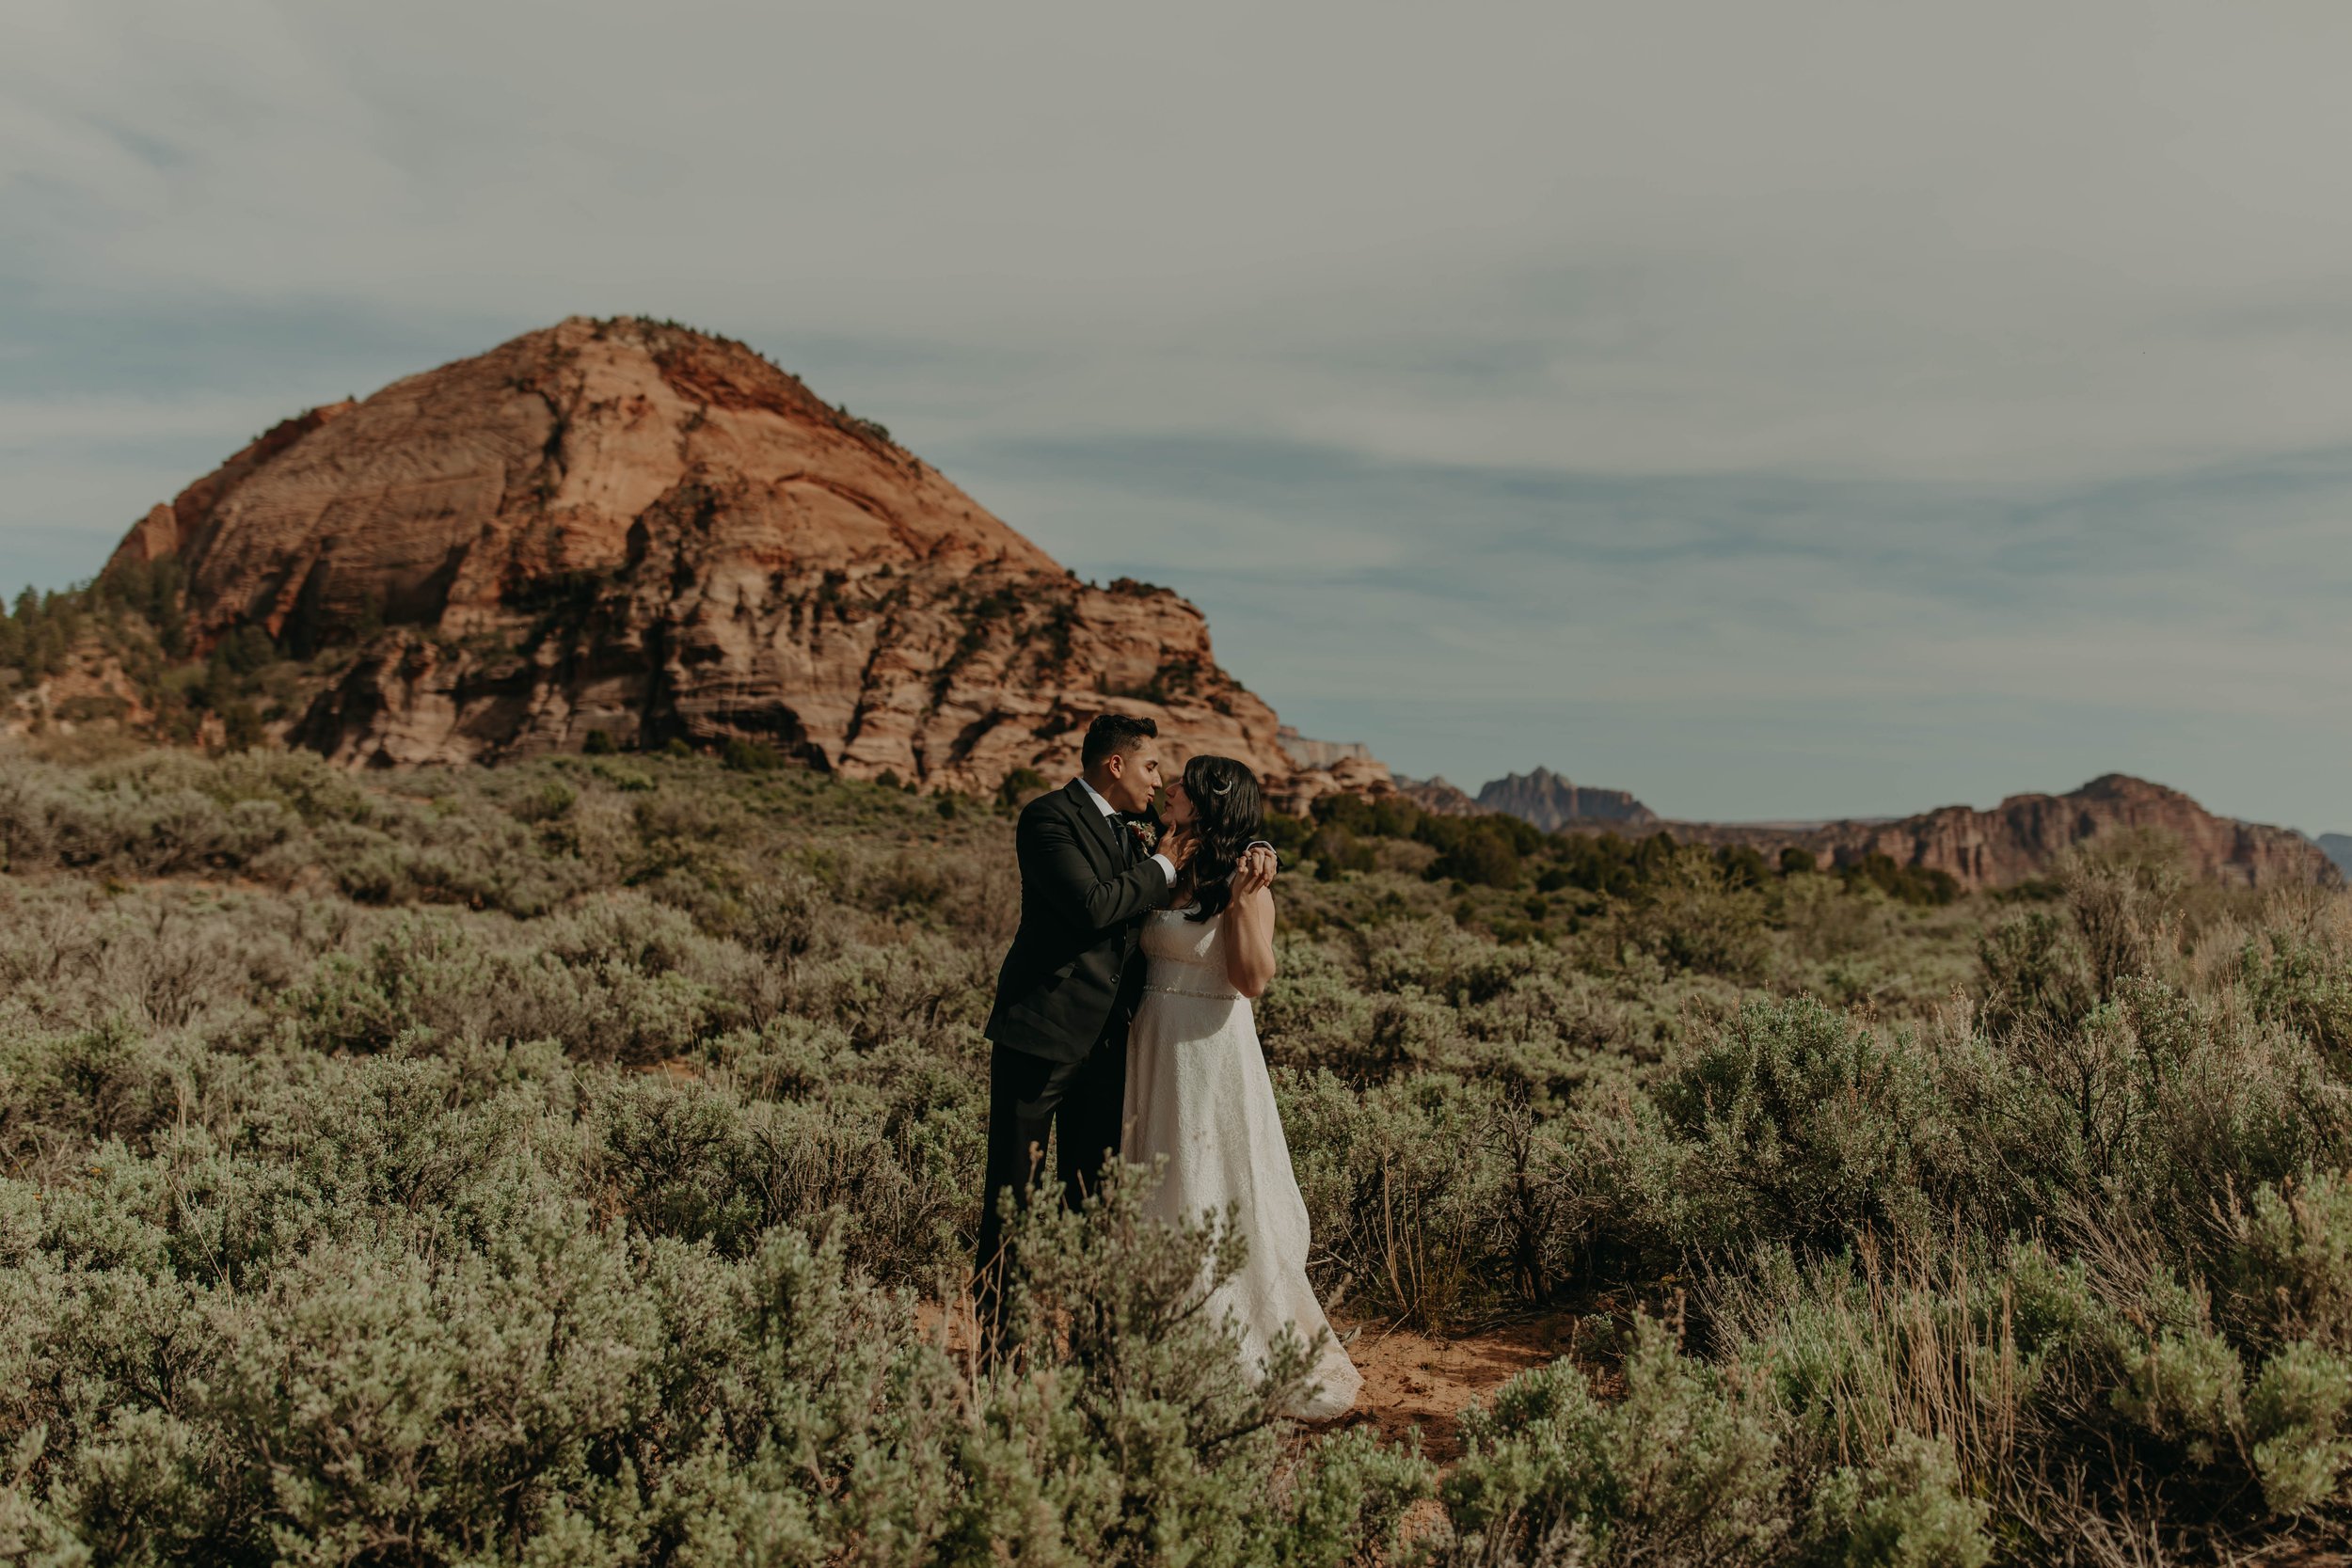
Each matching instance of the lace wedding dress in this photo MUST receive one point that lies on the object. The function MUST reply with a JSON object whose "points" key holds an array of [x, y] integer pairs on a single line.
{"points": [[1198, 1096]]}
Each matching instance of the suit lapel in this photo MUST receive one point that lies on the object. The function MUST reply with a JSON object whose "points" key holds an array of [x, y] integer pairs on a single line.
{"points": [[1105, 833]]}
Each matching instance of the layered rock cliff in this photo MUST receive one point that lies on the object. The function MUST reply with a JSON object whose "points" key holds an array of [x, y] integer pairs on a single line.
{"points": [[2024, 835], [1549, 802], [628, 528]]}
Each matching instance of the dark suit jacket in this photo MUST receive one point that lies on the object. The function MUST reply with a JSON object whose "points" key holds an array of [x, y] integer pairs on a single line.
{"points": [[1083, 894]]}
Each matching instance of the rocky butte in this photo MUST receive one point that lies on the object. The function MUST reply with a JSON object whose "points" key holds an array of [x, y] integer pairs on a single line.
{"points": [[1543, 797], [1549, 800], [630, 529]]}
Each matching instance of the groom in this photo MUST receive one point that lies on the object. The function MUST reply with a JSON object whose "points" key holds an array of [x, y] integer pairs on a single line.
{"points": [[1070, 986]]}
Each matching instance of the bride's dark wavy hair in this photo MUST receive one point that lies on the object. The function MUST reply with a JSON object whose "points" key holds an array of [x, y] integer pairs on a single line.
{"points": [[1229, 811]]}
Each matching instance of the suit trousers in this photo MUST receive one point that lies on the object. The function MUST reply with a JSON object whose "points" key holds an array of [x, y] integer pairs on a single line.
{"points": [[1082, 1101]]}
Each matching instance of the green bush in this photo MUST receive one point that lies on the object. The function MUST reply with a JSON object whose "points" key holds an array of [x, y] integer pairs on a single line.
{"points": [[1796, 1124], [1682, 1469], [2032, 974], [489, 1366], [1479, 856], [1909, 1510], [1688, 915], [1908, 884], [1403, 1184], [2302, 982], [521, 1164], [2289, 1263]]}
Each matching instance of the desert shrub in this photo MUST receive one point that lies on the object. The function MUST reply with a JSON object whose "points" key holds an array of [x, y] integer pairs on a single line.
{"points": [[282, 818], [1798, 1124], [2125, 903], [1019, 788], [1336, 851], [1827, 919], [2048, 1252], [1743, 865], [1316, 1013], [1388, 817], [1870, 1353], [2289, 1262], [488, 1366], [2150, 1107], [1120, 1297], [893, 1181], [929, 991], [1405, 1192], [1549, 1031], [2032, 973], [1910, 1509], [1687, 916], [617, 980], [1400, 1001], [783, 915], [2302, 981], [1682, 1469], [752, 756], [1439, 959], [1908, 884], [1930, 1402], [2300, 1414], [1479, 856], [545, 801], [1402, 1030], [2128, 1378], [1604, 863]]}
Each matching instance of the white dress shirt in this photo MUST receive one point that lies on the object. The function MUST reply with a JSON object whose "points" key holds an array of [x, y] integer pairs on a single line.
{"points": [[1167, 866]]}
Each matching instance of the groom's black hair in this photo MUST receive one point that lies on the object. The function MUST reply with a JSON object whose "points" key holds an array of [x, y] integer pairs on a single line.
{"points": [[1114, 733]]}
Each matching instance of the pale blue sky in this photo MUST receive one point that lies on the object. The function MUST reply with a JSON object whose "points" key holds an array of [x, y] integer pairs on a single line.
{"points": [[1777, 411]]}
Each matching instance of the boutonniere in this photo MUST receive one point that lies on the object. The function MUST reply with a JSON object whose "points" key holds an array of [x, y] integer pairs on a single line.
{"points": [[1146, 831]]}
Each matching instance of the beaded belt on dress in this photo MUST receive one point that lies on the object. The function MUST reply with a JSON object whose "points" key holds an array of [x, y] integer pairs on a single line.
{"points": [[1187, 990]]}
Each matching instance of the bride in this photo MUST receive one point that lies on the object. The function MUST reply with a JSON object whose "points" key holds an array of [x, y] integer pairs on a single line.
{"points": [[1197, 1094]]}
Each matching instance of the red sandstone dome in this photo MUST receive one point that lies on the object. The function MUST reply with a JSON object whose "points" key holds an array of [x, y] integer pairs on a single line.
{"points": [[635, 529]]}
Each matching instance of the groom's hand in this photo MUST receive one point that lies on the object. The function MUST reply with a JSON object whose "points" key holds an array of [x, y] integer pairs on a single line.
{"points": [[1256, 871], [1180, 845]]}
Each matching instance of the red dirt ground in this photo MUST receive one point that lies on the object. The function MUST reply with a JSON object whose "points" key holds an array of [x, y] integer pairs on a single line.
{"points": [[1411, 1380]]}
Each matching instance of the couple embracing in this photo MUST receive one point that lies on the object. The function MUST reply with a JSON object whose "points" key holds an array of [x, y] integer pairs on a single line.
{"points": [[1122, 1025]]}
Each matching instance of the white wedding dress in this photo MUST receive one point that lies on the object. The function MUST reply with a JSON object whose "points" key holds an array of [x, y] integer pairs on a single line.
{"points": [[1199, 1098]]}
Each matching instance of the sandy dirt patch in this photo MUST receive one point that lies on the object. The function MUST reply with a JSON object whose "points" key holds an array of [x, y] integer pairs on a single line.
{"points": [[1414, 1381]]}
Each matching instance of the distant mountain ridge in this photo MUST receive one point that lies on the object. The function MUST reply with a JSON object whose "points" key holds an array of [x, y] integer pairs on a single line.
{"points": [[2338, 847], [2026, 836], [1549, 800], [1544, 798], [2023, 837]]}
